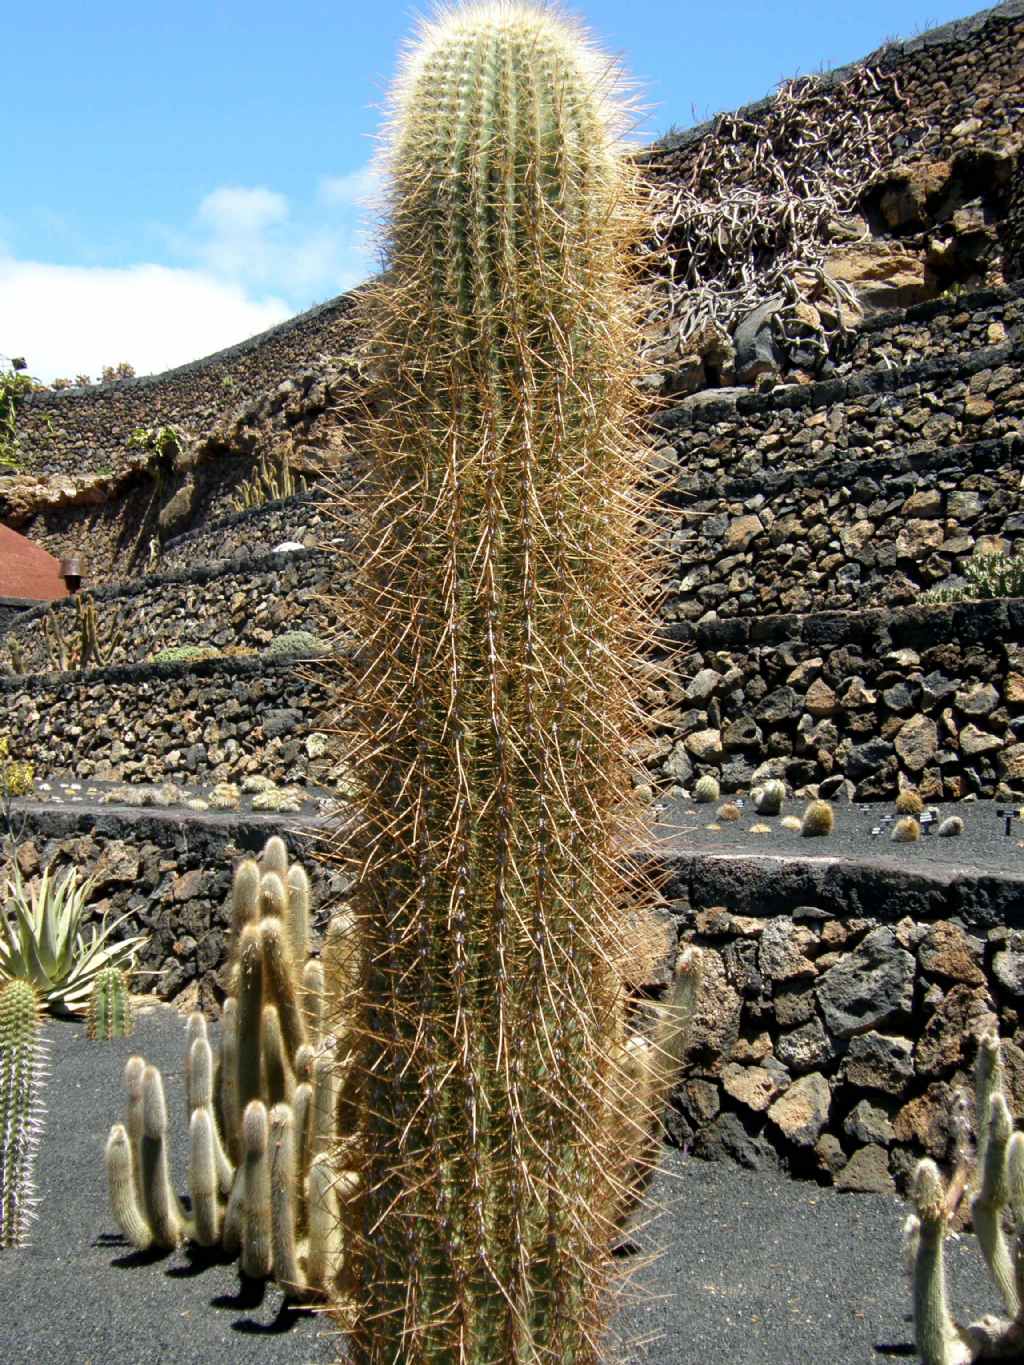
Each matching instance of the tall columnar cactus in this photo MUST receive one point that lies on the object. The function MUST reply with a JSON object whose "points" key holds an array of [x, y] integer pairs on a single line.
{"points": [[995, 1190], [498, 585], [260, 1117], [110, 1013], [22, 1076]]}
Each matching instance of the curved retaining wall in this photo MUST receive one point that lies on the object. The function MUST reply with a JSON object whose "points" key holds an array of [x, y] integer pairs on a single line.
{"points": [[75, 430], [973, 69], [934, 695], [238, 603], [214, 721], [840, 1011]]}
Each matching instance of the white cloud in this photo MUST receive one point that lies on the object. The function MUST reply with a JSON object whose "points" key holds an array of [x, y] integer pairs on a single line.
{"points": [[233, 209], [358, 188], [255, 236], [250, 258], [68, 320]]}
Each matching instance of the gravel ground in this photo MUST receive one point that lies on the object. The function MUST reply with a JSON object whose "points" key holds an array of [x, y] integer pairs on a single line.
{"points": [[984, 844], [757, 1270]]}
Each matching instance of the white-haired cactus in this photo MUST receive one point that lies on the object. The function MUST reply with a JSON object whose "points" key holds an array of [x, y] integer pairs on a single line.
{"points": [[255, 1121], [997, 1203], [22, 1076], [768, 798]]}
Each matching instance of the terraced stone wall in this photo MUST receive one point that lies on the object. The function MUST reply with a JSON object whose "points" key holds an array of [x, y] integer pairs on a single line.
{"points": [[80, 430], [858, 491], [852, 700], [213, 721], [840, 1012], [238, 604], [958, 81]]}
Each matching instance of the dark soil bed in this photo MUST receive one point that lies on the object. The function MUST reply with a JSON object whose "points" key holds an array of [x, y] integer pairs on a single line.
{"points": [[756, 1269]]}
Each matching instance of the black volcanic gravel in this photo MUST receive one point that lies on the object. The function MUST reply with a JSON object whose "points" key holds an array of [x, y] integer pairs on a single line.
{"points": [[757, 1270]]}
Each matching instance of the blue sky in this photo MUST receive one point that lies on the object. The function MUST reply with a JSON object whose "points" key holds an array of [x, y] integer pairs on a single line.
{"points": [[180, 176]]}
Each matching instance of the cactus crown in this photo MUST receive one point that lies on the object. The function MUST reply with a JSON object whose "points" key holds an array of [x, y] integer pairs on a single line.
{"points": [[22, 1075]]}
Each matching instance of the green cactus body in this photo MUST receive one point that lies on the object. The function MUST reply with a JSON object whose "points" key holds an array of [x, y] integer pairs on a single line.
{"points": [[706, 790], [497, 593], [110, 1012], [22, 1076]]}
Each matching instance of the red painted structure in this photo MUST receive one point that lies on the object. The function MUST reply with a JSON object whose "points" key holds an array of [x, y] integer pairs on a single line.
{"points": [[27, 572]]}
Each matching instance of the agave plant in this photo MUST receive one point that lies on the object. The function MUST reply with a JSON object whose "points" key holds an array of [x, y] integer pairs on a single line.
{"points": [[42, 940]]}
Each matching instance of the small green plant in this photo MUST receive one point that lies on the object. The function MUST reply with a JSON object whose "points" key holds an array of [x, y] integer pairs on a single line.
{"points": [[43, 940], [15, 384], [272, 480], [166, 440], [186, 654], [706, 790], [22, 1077], [818, 820], [988, 575], [84, 645], [17, 777], [298, 644], [113, 374], [909, 802], [768, 798], [110, 1013]]}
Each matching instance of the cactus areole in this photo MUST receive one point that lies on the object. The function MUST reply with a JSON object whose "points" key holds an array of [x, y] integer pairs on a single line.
{"points": [[497, 589]]}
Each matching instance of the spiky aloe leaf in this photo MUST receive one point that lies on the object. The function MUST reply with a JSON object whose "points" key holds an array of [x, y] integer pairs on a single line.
{"points": [[22, 1075], [44, 942]]}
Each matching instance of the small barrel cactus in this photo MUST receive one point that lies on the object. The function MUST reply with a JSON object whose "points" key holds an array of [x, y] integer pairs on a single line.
{"points": [[110, 1013], [905, 831], [818, 820], [909, 802], [706, 790], [728, 811], [22, 1074], [950, 827], [768, 798]]}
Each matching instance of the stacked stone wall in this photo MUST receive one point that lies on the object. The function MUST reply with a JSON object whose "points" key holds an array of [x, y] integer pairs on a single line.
{"points": [[195, 725], [239, 604], [840, 1011], [930, 695]]}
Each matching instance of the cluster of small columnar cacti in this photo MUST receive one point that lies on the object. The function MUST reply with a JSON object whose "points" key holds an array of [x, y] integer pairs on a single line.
{"points": [[110, 1012], [995, 1192], [497, 589], [263, 1117], [22, 1077], [83, 646]]}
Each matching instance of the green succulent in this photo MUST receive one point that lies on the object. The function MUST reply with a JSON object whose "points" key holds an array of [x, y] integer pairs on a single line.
{"points": [[298, 642], [43, 942]]}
